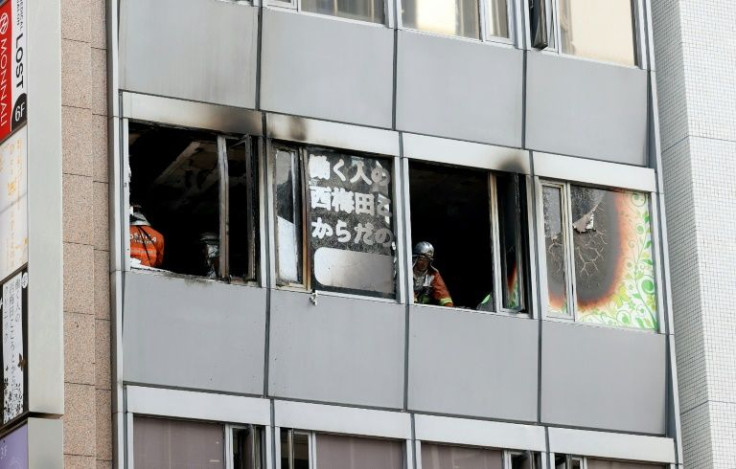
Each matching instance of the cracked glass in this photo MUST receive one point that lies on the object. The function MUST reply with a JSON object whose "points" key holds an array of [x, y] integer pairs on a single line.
{"points": [[612, 251], [555, 238]]}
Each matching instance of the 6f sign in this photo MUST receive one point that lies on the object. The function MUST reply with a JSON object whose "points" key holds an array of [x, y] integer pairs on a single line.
{"points": [[13, 96]]}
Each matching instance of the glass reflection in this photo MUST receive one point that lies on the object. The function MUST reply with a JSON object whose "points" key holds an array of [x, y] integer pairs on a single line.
{"points": [[598, 29], [554, 242], [371, 11], [510, 212], [450, 17]]}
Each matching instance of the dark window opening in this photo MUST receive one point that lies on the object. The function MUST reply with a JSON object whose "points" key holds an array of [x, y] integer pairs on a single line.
{"points": [[457, 210], [248, 448], [450, 210], [193, 193]]}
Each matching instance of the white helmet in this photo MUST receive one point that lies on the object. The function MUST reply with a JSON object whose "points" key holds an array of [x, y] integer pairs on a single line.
{"points": [[423, 248]]}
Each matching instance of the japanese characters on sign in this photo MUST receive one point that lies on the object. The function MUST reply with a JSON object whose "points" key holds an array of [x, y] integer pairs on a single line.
{"points": [[13, 83], [13, 203], [13, 306], [350, 211]]}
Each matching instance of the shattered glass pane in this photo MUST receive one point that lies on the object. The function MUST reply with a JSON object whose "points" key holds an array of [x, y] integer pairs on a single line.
{"points": [[288, 218], [555, 240], [614, 269]]}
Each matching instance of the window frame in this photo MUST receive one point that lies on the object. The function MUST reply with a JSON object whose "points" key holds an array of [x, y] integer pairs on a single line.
{"points": [[252, 144], [300, 150], [639, 20], [570, 279], [527, 286], [513, 22], [296, 7]]}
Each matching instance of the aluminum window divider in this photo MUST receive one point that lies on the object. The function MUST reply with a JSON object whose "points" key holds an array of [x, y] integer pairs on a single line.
{"points": [[495, 242], [399, 189], [270, 213], [228, 446], [567, 225], [276, 449], [418, 452], [532, 306], [224, 207], [405, 201], [312, 450], [657, 258], [125, 176], [302, 167]]}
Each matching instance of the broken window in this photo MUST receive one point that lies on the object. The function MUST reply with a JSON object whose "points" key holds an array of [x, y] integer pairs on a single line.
{"points": [[334, 221], [193, 202], [248, 447], [598, 246], [300, 449], [476, 223]]}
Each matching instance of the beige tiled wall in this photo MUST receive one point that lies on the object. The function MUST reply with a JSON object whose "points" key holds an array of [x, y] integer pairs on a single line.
{"points": [[87, 413]]}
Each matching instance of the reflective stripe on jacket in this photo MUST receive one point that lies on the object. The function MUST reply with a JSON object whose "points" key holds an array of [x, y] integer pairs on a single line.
{"points": [[436, 291], [146, 245]]}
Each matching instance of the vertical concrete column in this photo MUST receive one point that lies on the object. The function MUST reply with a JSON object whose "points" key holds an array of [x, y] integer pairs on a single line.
{"points": [[87, 416]]}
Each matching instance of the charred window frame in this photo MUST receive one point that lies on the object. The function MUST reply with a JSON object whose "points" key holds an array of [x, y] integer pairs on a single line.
{"points": [[553, 24], [305, 259], [233, 217], [485, 20], [597, 255], [505, 197]]}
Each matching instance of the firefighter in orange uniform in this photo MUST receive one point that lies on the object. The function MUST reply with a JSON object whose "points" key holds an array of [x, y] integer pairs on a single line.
{"points": [[429, 288], [146, 244]]}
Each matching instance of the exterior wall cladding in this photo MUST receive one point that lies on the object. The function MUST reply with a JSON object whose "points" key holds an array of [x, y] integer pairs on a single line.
{"points": [[345, 364], [153, 358]]}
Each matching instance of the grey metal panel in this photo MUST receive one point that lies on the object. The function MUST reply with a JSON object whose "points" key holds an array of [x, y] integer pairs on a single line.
{"points": [[583, 108], [332, 134], [458, 152], [603, 378], [191, 114], [191, 49], [343, 350], [327, 68], [459, 89], [193, 333], [45, 389], [594, 172], [474, 432], [473, 364]]}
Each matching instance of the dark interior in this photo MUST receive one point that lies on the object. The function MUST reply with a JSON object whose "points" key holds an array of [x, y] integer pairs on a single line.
{"points": [[450, 208], [174, 178]]}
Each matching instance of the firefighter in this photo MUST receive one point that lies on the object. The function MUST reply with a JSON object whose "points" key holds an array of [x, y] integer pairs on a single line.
{"points": [[210, 253], [429, 288], [146, 244]]}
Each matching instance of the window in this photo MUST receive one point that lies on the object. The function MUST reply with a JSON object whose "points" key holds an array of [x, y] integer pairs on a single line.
{"points": [[476, 223], [177, 443], [595, 29], [334, 221], [300, 449], [458, 17], [438, 456], [193, 202], [598, 253], [365, 10], [576, 462]]}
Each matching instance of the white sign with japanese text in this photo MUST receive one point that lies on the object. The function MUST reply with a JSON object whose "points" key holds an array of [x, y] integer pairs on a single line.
{"points": [[14, 203]]}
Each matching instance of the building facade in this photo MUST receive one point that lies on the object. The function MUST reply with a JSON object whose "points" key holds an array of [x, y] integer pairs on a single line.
{"points": [[242, 185]]}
